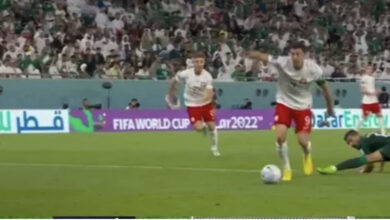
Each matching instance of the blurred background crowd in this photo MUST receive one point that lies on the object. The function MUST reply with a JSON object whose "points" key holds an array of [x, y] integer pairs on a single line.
{"points": [[153, 39]]}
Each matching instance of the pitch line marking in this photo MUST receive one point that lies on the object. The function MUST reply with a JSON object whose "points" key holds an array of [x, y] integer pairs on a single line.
{"points": [[195, 169]]}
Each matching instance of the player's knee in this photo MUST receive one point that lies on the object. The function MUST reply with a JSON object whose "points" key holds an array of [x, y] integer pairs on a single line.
{"points": [[303, 143], [211, 127], [198, 127], [280, 139], [374, 157]]}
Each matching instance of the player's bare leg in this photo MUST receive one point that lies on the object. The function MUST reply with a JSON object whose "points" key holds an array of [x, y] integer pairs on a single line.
{"points": [[381, 125], [199, 126], [282, 149], [360, 123], [304, 141], [214, 138]]}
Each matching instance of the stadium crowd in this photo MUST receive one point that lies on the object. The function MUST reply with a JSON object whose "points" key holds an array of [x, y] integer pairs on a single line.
{"points": [[153, 39]]}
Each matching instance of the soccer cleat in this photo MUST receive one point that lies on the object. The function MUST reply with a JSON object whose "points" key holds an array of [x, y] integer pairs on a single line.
{"points": [[327, 170], [307, 164], [287, 175], [215, 152]]}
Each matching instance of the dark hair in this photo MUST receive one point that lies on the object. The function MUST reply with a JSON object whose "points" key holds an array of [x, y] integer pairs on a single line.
{"points": [[374, 66], [350, 132], [383, 89], [298, 45], [199, 55]]}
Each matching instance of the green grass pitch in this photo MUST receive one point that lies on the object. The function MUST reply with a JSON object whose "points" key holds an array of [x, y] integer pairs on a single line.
{"points": [[174, 175]]}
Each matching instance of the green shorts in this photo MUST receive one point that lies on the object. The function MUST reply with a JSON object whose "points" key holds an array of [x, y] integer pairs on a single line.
{"points": [[385, 151]]}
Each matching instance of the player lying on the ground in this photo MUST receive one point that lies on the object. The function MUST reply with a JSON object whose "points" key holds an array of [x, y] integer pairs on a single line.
{"points": [[375, 148]]}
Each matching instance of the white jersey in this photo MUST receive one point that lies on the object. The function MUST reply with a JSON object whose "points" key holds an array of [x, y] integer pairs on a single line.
{"points": [[195, 87], [293, 87], [368, 83]]}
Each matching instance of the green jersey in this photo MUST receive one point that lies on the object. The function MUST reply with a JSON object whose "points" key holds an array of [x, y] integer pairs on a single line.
{"points": [[376, 142]]}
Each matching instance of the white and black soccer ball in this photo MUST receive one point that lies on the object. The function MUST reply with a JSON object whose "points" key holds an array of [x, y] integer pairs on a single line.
{"points": [[271, 174]]}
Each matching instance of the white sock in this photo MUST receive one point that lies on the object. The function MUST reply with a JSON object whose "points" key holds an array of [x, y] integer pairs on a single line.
{"points": [[360, 124], [214, 139], [381, 126], [283, 154]]}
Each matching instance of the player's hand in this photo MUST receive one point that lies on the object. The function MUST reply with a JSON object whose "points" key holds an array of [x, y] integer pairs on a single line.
{"points": [[171, 96], [368, 168], [324, 123], [330, 113], [382, 167], [327, 170]]}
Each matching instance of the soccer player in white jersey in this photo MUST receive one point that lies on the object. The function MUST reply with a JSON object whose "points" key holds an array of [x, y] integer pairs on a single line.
{"points": [[198, 97], [370, 103], [294, 101]]}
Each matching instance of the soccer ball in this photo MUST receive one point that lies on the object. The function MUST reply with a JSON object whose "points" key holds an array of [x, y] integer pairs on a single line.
{"points": [[271, 174]]}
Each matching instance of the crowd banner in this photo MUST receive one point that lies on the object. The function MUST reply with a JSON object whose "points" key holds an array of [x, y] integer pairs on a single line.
{"points": [[64, 121], [34, 121], [164, 120], [348, 119], [177, 120]]}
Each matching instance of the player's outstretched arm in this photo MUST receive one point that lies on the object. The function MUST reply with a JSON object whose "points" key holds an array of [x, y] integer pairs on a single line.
{"points": [[371, 166], [352, 163], [172, 88], [328, 98], [368, 168], [263, 57]]}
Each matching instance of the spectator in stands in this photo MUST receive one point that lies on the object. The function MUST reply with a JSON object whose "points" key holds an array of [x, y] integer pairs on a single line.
{"points": [[15, 70], [70, 66], [143, 72], [133, 104], [338, 72], [113, 68], [327, 68], [161, 69], [100, 71], [384, 98], [336, 104], [227, 69], [5, 67], [239, 73], [85, 104], [128, 72], [43, 30], [98, 56], [53, 70], [247, 104]]}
